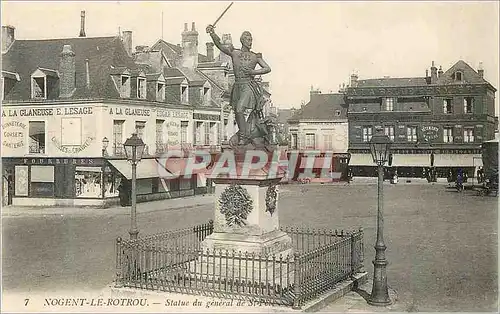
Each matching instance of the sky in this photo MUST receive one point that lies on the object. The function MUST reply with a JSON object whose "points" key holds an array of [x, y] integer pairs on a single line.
{"points": [[306, 44]]}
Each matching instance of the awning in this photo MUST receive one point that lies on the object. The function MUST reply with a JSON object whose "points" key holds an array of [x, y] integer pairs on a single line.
{"points": [[411, 160], [178, 166], [361, 160], [319, 162], [458, 160], [146, 168]]}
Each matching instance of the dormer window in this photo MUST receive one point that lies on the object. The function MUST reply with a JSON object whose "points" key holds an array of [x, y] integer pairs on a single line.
{"points": [[9, 79], [39, 88], [458, 76], [125, 86], [184, 94], [141, 88], [160, 91], [206, 95], [41, 82]]}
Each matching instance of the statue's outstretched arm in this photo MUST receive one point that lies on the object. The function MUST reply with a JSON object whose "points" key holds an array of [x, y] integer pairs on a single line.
{"points": [[225, 49]]}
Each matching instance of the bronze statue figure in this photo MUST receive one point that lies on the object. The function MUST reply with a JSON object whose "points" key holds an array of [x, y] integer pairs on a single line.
{"points": [[246, 92]]}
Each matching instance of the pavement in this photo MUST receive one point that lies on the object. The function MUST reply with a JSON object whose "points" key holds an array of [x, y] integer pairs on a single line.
{"points": [[442, 246], [146, 207]]}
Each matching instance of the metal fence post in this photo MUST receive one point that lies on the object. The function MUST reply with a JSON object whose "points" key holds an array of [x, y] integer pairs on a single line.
{"points": [[296, 281], [118, 281]]}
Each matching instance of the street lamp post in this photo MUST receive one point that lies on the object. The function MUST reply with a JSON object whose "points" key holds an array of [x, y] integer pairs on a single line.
{"points": [[134, 148], [379, 148]]}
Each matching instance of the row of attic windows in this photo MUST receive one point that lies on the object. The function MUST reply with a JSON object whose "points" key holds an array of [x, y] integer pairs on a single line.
{"points": [[40, 88]]}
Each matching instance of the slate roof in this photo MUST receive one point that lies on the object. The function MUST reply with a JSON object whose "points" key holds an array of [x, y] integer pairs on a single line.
{"points": [[470, 76], [322, 107], [284, 115], [174, 52], [25, 56]]}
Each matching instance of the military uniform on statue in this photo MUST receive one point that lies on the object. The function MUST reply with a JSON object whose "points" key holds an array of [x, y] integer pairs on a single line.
{"points": [[246, 202]]}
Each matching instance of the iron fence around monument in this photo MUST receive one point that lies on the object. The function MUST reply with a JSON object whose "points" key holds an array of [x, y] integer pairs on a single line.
{"points": [[175, 261]]}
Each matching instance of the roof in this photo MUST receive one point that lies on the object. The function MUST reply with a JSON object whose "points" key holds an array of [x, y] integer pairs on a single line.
{"points": [[174, 80], [470, 76], [322, 107], [25, 56], [173, 52], [284, 115], [172, 72], [392, 82]]}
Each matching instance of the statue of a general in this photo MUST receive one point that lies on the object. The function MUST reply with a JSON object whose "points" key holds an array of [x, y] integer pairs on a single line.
{"points": [[247, 92]]}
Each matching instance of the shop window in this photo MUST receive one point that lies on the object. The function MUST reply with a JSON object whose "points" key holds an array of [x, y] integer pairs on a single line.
{"points": [[367, 133], [125, 86], [447, 106], [448, 135], [111, 183], [184, 133], [185, 184], [88, 182], [42, 181], [37, 137], [141, 88], [468, 104]]}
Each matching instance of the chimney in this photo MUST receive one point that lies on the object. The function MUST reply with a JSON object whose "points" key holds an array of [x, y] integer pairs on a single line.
{"points": [[87, 74], [7, 37], [354, 80], [82, 24], [440, 72], [127, 41], [480, 70], [67, 72], [210, 52], [189, 47], [433, 73], [141, 48], [426, 72]]}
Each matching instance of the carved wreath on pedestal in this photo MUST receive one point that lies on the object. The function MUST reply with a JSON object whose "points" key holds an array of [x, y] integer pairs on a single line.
{"points": [[271, 197], [235, 203]]}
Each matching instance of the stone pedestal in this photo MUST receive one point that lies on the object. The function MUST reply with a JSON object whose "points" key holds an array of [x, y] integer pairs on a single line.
{"points": [[246, 220]]}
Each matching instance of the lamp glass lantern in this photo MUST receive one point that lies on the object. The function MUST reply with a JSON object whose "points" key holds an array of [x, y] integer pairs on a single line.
{"points": [[105, 143], [380, 146], [134, 148]]}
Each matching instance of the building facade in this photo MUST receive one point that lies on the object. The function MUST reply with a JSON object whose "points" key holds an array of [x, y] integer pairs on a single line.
{"points": [[435, 121], [69, 105], [320, 125]]}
